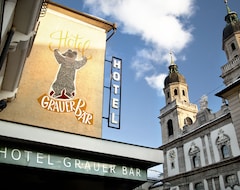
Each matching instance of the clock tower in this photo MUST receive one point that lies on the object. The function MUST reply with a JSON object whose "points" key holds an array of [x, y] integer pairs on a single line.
{"points": [[178, 112]]}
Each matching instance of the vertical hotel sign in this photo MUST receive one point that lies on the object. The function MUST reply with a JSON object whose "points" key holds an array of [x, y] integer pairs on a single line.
{"points": [[61, 87], [115, 93]]}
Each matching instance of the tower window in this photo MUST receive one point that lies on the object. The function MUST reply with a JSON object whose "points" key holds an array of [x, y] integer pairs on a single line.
{"points": [[233, 46], [168, 95], [183, 93], [188, 121], [170, 127], [175, 92]]}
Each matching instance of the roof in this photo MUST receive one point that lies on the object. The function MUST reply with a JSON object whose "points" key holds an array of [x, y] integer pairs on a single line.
{"points": [[90, 19]]}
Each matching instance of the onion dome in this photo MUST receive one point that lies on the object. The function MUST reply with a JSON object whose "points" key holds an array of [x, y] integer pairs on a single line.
{"points": [[174, 75], [232, 21]]}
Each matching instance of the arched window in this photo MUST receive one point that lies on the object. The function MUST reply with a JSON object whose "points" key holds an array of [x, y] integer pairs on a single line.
{"points": [[175, 92], [194, 155], [199, 186], [224, 145], [188, 121], [233, 46], [170, 127], [183, 92], [196, 161], [225, 151]]}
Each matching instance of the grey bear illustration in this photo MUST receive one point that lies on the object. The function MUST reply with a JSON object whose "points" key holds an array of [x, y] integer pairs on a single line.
{"points": [[64, 85]]}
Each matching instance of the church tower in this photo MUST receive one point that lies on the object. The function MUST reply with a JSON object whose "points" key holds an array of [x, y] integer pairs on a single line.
{"points": [[231, 70], [178, 112], [231, 46]]}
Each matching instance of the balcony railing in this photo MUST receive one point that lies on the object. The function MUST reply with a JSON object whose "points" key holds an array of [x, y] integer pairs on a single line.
{"points": [[230, 65]]}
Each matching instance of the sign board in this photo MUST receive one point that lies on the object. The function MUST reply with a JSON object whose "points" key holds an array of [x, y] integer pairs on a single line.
{"points": [[61, 87], [115, 93], [32, 158]]}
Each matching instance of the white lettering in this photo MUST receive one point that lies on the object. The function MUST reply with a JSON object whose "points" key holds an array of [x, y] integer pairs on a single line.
{"points": [[115, 103], [117, 63], [49, 160], [96, 166], [112, 168], [18, 154], [138, 172], [66, 162], [27, 155], [131, 172], [78, 163], [113, 121], [124, 170], [40, 156], [116, 76], [105, 168], [4, 152], [87, 166], [115, 87]]}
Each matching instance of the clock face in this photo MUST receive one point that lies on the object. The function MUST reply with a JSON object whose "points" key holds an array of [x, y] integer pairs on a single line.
{"points": [[172, 155]]}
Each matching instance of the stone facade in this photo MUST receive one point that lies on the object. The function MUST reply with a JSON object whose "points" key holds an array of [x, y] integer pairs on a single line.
{"points": [[201, 148]]}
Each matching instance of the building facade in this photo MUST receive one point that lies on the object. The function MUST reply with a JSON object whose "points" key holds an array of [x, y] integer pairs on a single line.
{"points": [[201, 148], [51, 93]]}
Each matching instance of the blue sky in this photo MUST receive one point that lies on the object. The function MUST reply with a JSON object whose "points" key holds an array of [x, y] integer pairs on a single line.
{"points": [[147, 32]]}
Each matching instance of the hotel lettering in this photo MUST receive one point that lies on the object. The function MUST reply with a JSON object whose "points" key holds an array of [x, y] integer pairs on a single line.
{"points": [[115, 93]]}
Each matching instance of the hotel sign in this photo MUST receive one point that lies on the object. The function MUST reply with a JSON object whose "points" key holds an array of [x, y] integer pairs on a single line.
{"points": [[115, 93], [62, 83], [31, 158]]}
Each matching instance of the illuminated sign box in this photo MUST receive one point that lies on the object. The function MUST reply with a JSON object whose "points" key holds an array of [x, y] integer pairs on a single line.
{"points": [[31, 158]]}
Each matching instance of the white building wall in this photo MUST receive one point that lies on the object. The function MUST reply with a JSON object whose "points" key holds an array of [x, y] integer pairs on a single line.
{"points": [[172, 170], [208, 150], [187, 147], [230, 131]]}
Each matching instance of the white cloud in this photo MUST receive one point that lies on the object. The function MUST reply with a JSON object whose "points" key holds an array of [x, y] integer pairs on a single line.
{"points": [[162, 25], [157, 82]]}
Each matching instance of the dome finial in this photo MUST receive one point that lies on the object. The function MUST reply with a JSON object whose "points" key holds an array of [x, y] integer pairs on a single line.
{"points": [[172, 61], [226, 3], [173, 68]]}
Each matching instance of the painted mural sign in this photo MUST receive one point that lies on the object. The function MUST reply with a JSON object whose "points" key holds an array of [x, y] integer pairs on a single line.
{"points": [[61, 86], [62, 92]]}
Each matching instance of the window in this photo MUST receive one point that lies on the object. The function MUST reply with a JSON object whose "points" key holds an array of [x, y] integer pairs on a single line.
{"points": [[183, 92], [225, 151], [188, 121], [194, 155], [168, 95], [224, 145], [233, 46], [232, 182], [199, 186], [170, 127], [196, 161], [175, 92]]}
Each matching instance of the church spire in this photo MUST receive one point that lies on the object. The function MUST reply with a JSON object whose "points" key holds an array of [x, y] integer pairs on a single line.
{"points": [[231, 16], [228, 9], [173, 68]]}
